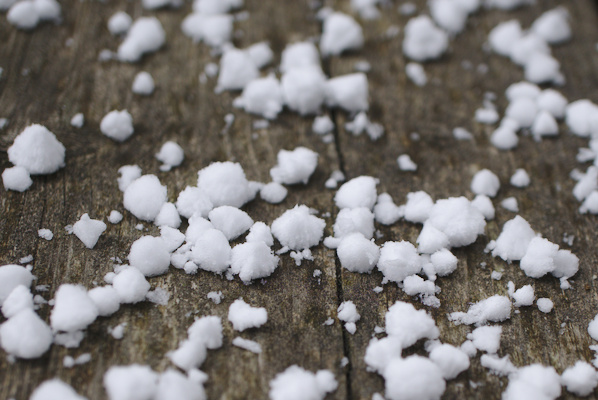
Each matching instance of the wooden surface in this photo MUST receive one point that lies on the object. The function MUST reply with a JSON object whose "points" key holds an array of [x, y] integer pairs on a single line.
{"points": [[47, 81]]}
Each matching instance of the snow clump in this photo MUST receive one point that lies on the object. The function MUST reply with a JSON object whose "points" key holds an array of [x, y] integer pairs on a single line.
{"points": [[225, 184], [143, 84], [340, 33], [37, 150], [88, 230], [144, 197], [243, 316], [146, 35], [117, 125], [298, 384], [298, 229], [294, 166], [423, 40]]}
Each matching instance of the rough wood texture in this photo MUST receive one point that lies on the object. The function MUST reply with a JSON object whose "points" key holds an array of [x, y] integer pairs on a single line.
{"points": [[47, 81]]}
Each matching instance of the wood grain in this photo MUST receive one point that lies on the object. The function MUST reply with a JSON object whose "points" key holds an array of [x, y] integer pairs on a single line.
{"points": [[53, 72]]}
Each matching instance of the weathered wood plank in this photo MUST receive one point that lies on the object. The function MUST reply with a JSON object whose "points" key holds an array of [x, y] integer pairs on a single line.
{"points": [[445, 168], [62, 81]]}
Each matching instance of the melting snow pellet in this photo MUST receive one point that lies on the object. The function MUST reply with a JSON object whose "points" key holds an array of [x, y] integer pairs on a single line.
{"points": [[243, 316], [247, 344], [216, 297], [45, 234], [497, 276]]}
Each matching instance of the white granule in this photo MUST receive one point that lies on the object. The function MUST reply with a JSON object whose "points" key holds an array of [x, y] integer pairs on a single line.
{"points": [[117, 125], [294, 166], [273, 193], [486, 338], [216, 297], [247, 344], [37, 150], [73, 309], [298, 384], [406, 163], [340, 33], [485, 182], [45, 234], [413, 378], [243, 316], [510, 204], [322, 125], [423, 40], [416, 73], [106, 300], [261, 96], [55, 389], [545, 305], [146, 35], [88, 230], [298, 229], [78, 120], [119, 23], [450, 359], [486, 116], [144, 197], [495, 309], [580, 379], [17, 179], [520, 178], [143, 84], [349, 92]]}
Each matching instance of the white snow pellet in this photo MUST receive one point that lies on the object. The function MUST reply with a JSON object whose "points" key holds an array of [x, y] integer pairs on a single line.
{"points": [[513, 241], [347, 312], [115, 217], [590, 204], [119, 23], [237, 69], [174, 385], [23, 15], [106, 300], [499, 366], [168, 216], [406, 163], [128, 174], [386, 211], [449, 15], [543, 68], [298, 384], [495, 309], [172, 238], [37, 150], [25, 335], [45, 234], [216, 297], [253, 260], [504, 35], [304, 89], [553, 26], [322, 125], [398, 260], [409, 325], [149, 255], [17, 179], [523, 110], [247, 344], [415, 285], [524, 296], [55, 389], [78, 120], [450, 359], [581, 117], [143, 84], [350, 220], [460, 221], [118, 332], [243, 316], [444, 262], [484, 205], [299, 55], [88, 230], [262, 96], [260, 232], [193, 201], [12, 276], [539, 258], [544, 125], [225, 184], [485, 182], [146, 35], [510, 204], [486, 338], [462, 134], [580, 379], [211, 251], [416, 73], [294, 166], [552, 101], [533, 381], [144, 197], [418, 207], [230, 220], [260, 53], [297, 229], [522, 89], [520, 178], [117, 125], [486, 116], [19, 299], [349, 92], [131, 285], [380, 352], [158, 296], [273, 192], [423, 40], [340, 32], [504, 138], [131, 382], [215, 30], [73, 309], [358, 192], [545, 305], [413, 378], [189, 355]]}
